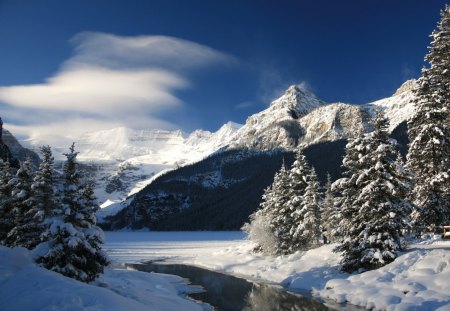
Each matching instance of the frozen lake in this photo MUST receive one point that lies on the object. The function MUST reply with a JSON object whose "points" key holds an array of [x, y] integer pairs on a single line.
{"points": [[134, 247]]}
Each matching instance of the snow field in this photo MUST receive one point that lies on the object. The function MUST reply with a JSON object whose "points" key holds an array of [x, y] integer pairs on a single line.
{"points": [[418, 279], [26, 286]]}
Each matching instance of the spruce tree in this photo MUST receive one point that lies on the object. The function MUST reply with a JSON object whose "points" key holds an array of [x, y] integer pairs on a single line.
{"points": [[30, 232], [43, 199], [294, 225], [376, 211], [24, 223], [279, 214], [267, 224], [330, 213], [74, 245], [429, 134], [6, 215], [308, 217]]}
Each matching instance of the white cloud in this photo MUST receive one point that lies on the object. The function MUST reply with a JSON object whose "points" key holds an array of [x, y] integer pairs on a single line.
{"points": [[109, 81], [98, 90]]}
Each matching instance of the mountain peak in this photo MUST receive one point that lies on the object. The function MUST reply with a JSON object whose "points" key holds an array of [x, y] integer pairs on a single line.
{"points": [[297, 100]]}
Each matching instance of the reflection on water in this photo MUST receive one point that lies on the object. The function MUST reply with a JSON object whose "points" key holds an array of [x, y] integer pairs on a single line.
{"points": [[228, 293], [267, 298]]}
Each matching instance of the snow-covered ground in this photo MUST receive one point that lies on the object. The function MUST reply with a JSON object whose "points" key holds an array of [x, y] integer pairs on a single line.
{"points": [[25, 286], [419, 279]]}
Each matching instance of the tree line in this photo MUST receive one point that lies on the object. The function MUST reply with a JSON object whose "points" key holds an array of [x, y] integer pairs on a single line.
{"points": [[54, 218]]}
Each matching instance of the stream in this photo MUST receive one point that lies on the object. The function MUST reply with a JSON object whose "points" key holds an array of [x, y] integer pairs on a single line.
{"points": [[229, 293]]}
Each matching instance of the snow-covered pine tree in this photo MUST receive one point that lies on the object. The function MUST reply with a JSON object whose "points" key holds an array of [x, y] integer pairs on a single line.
{"points": [[293, 222], [330, 213], [24, 224], [378, 210], [29, 232], [264, 227], [311, 221], [74, 245], [6, 214], [429, 134]]}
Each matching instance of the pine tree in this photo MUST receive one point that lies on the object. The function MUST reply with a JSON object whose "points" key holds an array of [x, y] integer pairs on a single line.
{"points": [[265, 224], [43, 186], [429, 133], [279, 215], [330, 213], [376, 211], [29, 232], [74, 246], [308, 217], [294, 224], [6, 206], [24, 224]]}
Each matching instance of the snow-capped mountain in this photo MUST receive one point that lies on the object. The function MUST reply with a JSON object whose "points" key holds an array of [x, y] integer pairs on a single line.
{"points": [[124, 160], [298, 117], [277, 126]]}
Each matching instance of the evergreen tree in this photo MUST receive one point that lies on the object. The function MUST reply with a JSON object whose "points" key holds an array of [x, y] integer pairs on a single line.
{"points": [[330, 213], [295, 238], [24, 224], [266, 224], [43, 186], [29, 230], [279, 215], [376, 211], [308, 217], [74, 246], [429, 133], [6, 206]]}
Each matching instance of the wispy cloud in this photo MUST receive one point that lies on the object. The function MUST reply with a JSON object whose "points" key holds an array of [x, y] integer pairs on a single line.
{"points": [[109, 81], [244, 105]]}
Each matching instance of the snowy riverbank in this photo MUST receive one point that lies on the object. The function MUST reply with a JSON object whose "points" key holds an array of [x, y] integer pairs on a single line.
{"points": [[25, 286], [417, 280]]}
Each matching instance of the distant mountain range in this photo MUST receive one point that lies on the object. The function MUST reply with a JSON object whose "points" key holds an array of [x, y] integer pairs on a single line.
{"points": [[142, 164]]}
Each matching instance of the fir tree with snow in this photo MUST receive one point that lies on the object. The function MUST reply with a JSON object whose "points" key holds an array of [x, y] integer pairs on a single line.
{"points": [[378, 209], [330, 213], [429, 133], [41, 204], [43, 199], [298, 235], [25, 225], [279, 215], [267, 227], [74, 238], [308, 218], [6, 206]]}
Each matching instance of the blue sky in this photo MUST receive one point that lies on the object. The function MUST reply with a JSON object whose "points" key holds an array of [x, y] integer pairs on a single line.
{"points": [[71, 66]]}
